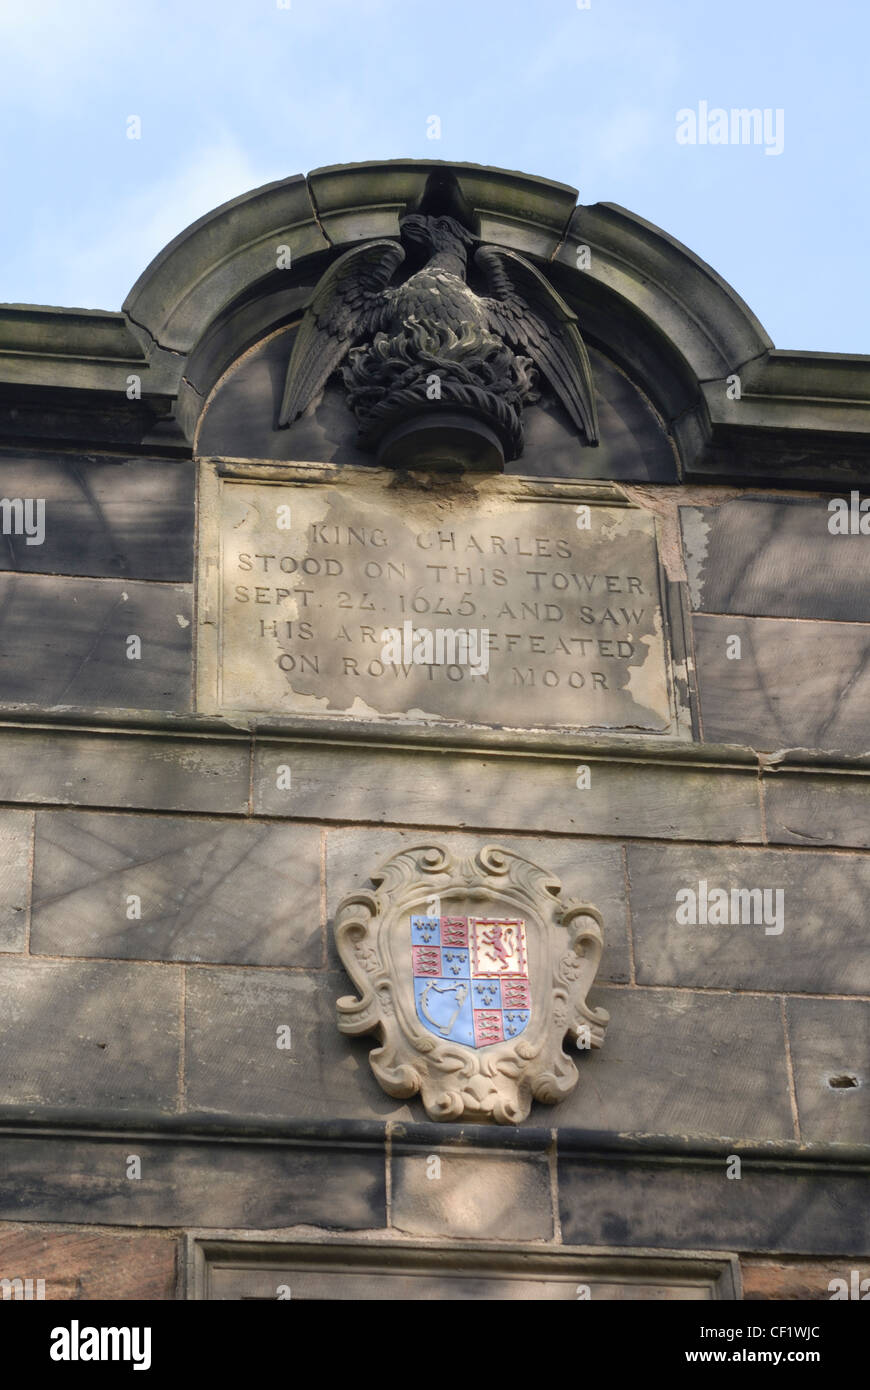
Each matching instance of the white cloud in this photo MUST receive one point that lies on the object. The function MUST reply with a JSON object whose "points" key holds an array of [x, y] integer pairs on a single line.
{"points": [[106, 257]]}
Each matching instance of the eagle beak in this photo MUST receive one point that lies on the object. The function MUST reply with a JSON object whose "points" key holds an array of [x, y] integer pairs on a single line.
{"points": [[415, 228]]}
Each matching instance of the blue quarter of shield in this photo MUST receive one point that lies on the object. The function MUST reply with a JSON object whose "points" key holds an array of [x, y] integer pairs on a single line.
{"points": [[487, 994], [444, 1008], [455, 962], [515, 1021], [425, 931]]}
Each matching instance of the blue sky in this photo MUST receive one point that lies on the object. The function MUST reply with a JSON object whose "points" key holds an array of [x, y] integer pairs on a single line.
{"points": [[235, 93]]}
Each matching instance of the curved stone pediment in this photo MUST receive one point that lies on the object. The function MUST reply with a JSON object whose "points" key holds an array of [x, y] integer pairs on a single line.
{"points": [[246, 272]]}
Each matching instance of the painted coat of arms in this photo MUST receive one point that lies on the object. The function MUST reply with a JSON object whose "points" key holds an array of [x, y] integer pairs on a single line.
{"points": [[473, 971]]}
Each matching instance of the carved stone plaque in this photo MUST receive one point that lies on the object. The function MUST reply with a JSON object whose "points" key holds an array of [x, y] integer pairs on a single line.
{"points": [[472, 971], [488, 601]]}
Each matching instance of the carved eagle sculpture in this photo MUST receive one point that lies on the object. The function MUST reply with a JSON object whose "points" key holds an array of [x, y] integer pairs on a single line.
{"points": [[355, 304]]}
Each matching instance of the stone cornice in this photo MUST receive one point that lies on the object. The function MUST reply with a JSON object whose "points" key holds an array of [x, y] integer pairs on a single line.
{"points": [[102, 1126], [688, 304], [324, 731]]}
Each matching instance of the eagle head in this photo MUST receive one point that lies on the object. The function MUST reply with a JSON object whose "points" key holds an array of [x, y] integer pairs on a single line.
{"points": [[436, 233]]}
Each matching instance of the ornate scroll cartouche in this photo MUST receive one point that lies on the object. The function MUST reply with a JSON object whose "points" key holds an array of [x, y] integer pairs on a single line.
{"points": [[472, 971]]}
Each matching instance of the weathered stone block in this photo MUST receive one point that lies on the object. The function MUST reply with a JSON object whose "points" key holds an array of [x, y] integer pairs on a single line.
{"points": [[670, 1065], [796, 684], [237, 893], [65, 642], [90, 1036], [774, 559], [692, 1205], [813, 809], [118, 517], [830, 1046], [452, 1192], [147, 772], [235, 1065], [507, 793], [16, 831], [812, 938], [183, 1183]]}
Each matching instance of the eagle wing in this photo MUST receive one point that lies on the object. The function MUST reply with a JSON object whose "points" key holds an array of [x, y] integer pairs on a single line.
{"points": [[347, 304], [528, 313]]}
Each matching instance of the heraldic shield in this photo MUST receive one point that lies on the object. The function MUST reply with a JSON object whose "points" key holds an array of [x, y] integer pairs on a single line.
{"points": [[473, 971], [471, 981]]}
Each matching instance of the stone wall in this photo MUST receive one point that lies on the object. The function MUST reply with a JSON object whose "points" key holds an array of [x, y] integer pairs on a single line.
{"points": [[154, 1035], [166, 900]]}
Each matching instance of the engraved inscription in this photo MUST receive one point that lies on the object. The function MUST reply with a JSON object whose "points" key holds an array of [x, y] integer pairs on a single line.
{"points": [[478, 606]]}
